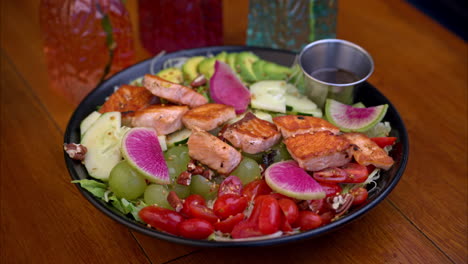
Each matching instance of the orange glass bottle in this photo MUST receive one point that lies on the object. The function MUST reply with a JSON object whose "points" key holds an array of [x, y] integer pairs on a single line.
{"points": [[85, 41]]}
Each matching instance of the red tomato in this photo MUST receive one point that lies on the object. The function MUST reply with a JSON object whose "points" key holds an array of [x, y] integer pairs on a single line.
{"points": [[360, 195], [384, 141], [202, 212], [229, 204], [256, 188], [317, 206], [370, 168], [269, 218], [330, 175], [231, 184], [285, 226], [245, 229], [327, 217], [278, 196], [330, 188], [356, 173], [192, 199], [195, 228], [228, 224], [289, 208], [161, 218], [308, 220]]}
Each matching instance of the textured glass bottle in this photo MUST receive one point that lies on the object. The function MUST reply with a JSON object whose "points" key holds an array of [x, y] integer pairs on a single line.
{"points": [[85, 41], [290, 24]]}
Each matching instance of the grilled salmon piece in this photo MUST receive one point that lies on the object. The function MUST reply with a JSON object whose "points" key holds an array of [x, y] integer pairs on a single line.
{"points": [[208, 116], [173, 92], [369, 152], [320, 150], [213, 152], [252, 134], [292, 125], [128, 98], [164, 119]]}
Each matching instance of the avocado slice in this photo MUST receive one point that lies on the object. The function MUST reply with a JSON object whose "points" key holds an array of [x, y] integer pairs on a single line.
{"points": [[257, 68], [231, 60], [222, 56], [171, 74], [274, 71], [206, 67], [189, 68], [244, 61]]}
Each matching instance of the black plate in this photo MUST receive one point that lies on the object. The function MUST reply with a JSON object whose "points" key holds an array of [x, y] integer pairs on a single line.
{"points": [[365, 93]]}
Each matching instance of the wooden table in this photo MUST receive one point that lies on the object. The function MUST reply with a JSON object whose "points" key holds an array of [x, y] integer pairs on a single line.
{"points": [[420, 66]]}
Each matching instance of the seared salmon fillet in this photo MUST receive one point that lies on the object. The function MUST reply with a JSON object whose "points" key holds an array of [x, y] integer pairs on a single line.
{"points": [[164, 119], [208, 116], [320, 150], [173, 92], [369, 152], [213, 152], [292, 125], [128, 98], [252, 135]]}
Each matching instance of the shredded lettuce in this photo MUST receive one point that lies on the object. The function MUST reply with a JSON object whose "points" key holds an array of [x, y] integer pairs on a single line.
{"points": [[381, 129], [101, 190]]}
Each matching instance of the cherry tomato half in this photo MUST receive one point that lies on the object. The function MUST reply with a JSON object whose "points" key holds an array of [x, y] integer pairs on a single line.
{"points": [[161, 218], [308, 220], [330, 188], [202, 212], [195, 228], [192, 199], [384, 141], [356, 173], [244, 229], [227, 225], [231, 184], [256, 188], [269, 218], [330, 175], [289, 208], [229, 204], [360, 195]]}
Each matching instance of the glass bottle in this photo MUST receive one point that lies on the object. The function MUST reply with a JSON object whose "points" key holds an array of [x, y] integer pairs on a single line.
{"points": [[85, 41]]}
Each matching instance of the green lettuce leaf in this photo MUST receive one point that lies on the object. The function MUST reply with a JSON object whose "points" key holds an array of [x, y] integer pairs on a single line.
{"points": [[98, 189]]}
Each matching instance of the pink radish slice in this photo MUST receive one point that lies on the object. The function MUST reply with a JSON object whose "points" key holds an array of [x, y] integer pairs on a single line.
{"points": [[226, 88], [141, 148], [289, 179]]}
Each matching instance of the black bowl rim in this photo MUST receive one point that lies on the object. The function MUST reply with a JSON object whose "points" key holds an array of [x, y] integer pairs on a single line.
{"points": [[403, 138]]}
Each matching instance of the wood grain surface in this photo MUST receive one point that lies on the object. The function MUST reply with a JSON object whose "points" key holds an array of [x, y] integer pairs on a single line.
{"points": [[420, 66]]}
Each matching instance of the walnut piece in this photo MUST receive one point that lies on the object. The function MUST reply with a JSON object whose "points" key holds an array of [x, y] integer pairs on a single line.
{"points": [[75, 151]]}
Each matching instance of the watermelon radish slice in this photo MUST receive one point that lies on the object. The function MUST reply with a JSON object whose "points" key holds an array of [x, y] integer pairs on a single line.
{"points": [[226, 88], [141, 149], [289, 179], [353, 119]]}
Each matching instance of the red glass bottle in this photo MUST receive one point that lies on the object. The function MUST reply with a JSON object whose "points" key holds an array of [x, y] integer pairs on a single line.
{"points": [[172, 25], [85, 41]]}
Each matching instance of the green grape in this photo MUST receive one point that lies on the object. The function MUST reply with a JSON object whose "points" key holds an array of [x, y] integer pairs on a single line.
{"points": [[247, 171], [181, 190], [126, 182], [157, 194], [177, 159], [257, 157], [202, 186], [282, 153]]}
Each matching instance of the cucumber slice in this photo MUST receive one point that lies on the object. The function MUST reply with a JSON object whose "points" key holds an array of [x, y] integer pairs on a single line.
{"points": [[264, 116], [353, 119], [178, 137], [269, 95], [102, 139], [88, 121]]}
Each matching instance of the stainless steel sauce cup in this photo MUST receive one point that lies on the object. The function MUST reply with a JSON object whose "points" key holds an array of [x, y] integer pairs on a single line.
{"points": [[332, 67]]}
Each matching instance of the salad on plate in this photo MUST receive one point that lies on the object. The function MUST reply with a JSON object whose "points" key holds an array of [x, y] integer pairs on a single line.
{"points": [[228, 148]]}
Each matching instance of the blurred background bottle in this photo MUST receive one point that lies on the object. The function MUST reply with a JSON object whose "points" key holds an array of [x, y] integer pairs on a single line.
{"points": [[290, 24], [172, 25], [85, 41]]}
